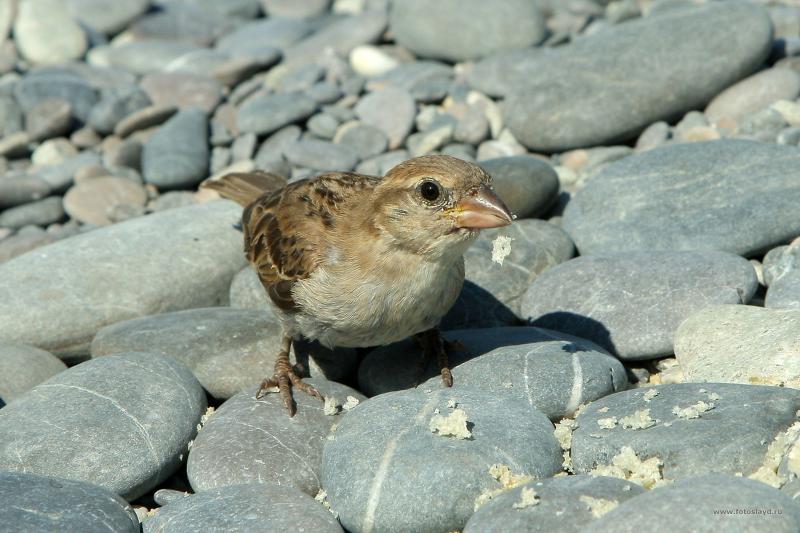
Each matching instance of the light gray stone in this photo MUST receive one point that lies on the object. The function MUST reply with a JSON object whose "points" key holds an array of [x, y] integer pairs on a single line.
{"points": [[45, 33], [391, 110], [754, 94], [176, 156], [263, 115], [23, 367], [39, 212]]}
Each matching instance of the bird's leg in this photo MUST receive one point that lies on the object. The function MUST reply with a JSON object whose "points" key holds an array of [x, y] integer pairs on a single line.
{"points": [[285, 377], [432, 346]]}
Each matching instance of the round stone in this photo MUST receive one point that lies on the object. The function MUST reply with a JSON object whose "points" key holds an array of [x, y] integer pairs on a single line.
{"points": [[391, 110], [754, 94], [106, 16], [115, 104], [46, 33], [528, 185], [182, 90], [321, 155], [91, 200], [23, 367], [39, 213], [263, 115], [176, 156]]}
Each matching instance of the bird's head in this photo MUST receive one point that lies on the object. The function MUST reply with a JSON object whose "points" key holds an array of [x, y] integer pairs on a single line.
{"points": [[436, 205]]}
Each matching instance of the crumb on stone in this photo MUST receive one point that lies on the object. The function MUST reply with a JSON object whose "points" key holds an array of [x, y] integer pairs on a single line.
{"points": [[599, 506], [650, 394], [507, 479], [451, 403], [204, 418], [350, 402], [607, 423], [784, 445], [322, 497], [693, 411], [627, 465], [603, 409], [501, 248], [527, 498], [638, 420], [332, 406], [713, 396], [563, 434], [452, 425]]}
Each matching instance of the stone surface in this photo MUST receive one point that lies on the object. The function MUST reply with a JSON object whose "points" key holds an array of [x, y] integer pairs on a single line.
{"points": [[705, 504], [559, 505], [144, 118], [782, 276], [483, 28], [732, 195], [177, 259], [632, 303], [47, 119], [370, 467], [263, 115], [391, 110], [754, 94], [45, 33], [106, 16], [21, 190], [366, 141], [116, 104], [39, 212], [340, 36], [608, 86], [741, 344], [23, 367], [122, 423], [182, 90], [254, 37], [139, 57], [91, 201], [176, 156], [260, 507], [254, 441], [41, 503], [528, 185], [321, 155], [687, 445], [56, 84]]}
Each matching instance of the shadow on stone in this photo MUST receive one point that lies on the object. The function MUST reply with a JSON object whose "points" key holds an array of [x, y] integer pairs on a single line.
{"points": [[478, 308], [578, 325]]}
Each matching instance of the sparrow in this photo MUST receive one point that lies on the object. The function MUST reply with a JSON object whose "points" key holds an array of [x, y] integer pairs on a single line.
{"points": [[353, 261]]}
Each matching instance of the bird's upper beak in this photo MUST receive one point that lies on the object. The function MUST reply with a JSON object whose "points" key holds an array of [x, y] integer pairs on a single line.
{"points": [[481, 209]]}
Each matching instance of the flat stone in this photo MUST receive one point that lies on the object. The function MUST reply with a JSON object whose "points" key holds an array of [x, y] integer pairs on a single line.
{"points": [[53, 152], [56, 84], [754, 94], [50, 118], [561, 98], [21, 190], [528, 185], [144, 118], [116, 104], [713, 502], [483, 28], [691, 427], [20, 243], [782, 276], [15, 145], [41, 503], [11, 116], [340, 37], [23, 367], [60, 176], [88, 422], [139, 57], [45, 33], [632, 204], [632, 303], [560, 505], [391, 110], [90, 201], [394, 367], [367, 141], [255, 441], [368, 467], [182, 90], [256, 507], [39, 213], [263, 115], [111, 274], [321, 155], [252, 38], [183, 22], [176, 156], [741, 344], [106, 16], [295, 8]]}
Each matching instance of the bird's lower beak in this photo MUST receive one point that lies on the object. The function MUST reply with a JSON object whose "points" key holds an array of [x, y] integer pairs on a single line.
{"points": [[482, 209]]}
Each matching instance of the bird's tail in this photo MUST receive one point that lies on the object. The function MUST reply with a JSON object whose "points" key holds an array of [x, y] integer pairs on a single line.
{"points": [[244, 187]]}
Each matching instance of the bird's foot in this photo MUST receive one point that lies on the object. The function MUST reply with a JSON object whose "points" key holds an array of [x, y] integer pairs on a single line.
{"points": [[433, 346], [285, 378]]}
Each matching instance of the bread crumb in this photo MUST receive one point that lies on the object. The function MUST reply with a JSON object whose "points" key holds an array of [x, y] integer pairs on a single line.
{"points": [[322, 497], [527, 498], [452, 404], [599, 506], [650, 394], [785, 441], [638, 420], [452, 425], [331, 406], [204, 418], [350, 402], [626, 488], [603, 409], [501, 248], [713, 396], [627, 465], [693, 411], [563, 434], [608, 423], [507, 479]]}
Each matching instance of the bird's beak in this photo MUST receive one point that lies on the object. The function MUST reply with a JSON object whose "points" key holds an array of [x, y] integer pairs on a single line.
{"points": [[481, 209]]}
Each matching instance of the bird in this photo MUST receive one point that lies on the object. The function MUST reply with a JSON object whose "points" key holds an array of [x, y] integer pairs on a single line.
{"points": [[351, 260]]}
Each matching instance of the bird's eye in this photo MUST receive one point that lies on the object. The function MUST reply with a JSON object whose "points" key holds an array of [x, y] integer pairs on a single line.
{"points": [[430, 190]]}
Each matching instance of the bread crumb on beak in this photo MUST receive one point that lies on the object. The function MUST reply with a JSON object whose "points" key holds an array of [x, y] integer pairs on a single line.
{"points": [[501, 247], [452, 425]]}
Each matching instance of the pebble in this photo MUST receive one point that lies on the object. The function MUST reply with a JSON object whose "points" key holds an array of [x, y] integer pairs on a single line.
{"points": [[115, 104], [263, 115], [754, 94], [139, 57], [182, 90], [176, 259], [528, 185], [176, 156], [560, 504], [87, 423], [90, 201], [249, 440], [323, 125], [11, 116], [182, 23], [370, 61], [321, 155], [391, 110], [21, 190], [365, 140], [50, 118], [368, 467], [144, 118], [483, 29], [59, 177], [252, 38], [741, 344], [23, 367], [45, 33], [295, 8], [632, 303], [255, 507], [53, 152], [688, 431], [631, 205], [40, 212], [42, 503], [340, 36], [106, 16], [56, 83]]}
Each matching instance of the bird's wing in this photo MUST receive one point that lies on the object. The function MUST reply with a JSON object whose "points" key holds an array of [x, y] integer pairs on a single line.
{"points": [[286, 231]]}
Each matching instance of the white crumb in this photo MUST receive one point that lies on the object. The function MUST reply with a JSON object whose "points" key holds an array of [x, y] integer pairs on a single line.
{"points": [[693, 411], [627, 465], [599, 506], [638, 420], [205, 417], [452, 425], [527, 498], [322, 497], [784, 445], [713, 396], [563, 434], [331, 406], [650, 394], [507, 480], [603, 409], [452, 404], [350, 402], [501, 248], [608, 423]]}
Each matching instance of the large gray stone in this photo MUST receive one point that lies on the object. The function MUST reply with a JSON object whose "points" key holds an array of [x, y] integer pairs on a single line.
{"points": [[246, 508], [255, 441], [59, 296], [41, 503], [754, 94], [23, 367], [371, 468], [176, 156], [527, 185], [264, 114], [732, 195], [483, 27], [121, 422], [632, 303], [607, 86]]}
